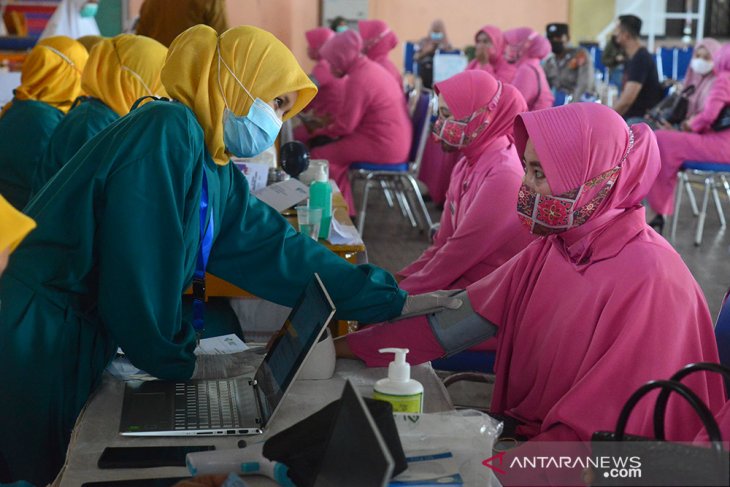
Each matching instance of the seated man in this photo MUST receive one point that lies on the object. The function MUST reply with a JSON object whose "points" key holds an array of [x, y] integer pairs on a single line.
{"points": [[641, 89], [568, 69]]}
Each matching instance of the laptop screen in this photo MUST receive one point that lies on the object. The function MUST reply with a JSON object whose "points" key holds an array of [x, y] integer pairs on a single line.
{"points": [[292, 343]]}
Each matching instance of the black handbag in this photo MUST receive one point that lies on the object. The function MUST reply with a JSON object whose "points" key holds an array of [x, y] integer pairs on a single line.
{"points": [[638, 460], [672, 109], [723, 120]]}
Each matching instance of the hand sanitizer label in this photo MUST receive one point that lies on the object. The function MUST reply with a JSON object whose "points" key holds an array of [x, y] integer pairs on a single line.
{"points": [[402, 404]]}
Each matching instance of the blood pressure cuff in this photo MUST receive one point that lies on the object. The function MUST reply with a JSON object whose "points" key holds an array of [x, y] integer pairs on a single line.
{"points": [[458, 329]]}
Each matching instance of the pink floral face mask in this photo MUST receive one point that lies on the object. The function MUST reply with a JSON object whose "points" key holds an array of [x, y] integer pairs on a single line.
{"points": [[548, 214], [454, 132]]}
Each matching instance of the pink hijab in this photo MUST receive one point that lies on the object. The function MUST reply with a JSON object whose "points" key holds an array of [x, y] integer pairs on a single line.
{"points": [[702, 84], [469, 91], [588, 315], [497, 65], [378, 39], [721, 59], [343, 50], [316, 38], [524, 44]]}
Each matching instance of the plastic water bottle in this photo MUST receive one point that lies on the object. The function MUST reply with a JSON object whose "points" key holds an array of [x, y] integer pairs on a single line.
{"points": [[320, 196]]}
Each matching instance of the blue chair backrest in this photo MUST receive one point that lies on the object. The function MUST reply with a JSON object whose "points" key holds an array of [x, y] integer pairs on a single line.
{"points": [[672, 62], [420, 118], [561, 98], [722, 332], [409, 57]]}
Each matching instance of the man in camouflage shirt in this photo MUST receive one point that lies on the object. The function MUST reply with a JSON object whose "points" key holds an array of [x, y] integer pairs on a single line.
{"points": [[568, 69]]}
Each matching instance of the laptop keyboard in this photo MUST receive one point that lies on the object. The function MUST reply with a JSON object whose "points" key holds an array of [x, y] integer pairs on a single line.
{"points": [[209, 404]]}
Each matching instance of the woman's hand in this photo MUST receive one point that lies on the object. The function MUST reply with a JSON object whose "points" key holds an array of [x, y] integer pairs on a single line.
{"points": [[203, 481], [686, 126]]}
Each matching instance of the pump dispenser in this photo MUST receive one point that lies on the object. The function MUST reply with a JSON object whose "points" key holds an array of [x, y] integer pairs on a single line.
{"points": [[404, 393]]}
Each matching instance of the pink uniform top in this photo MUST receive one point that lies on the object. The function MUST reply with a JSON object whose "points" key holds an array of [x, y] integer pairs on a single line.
{"points": [[702, 83], [719, 95], [588, 315], [528, 48], [330, 89], [479, 229], [378, 41], [374, 104]]}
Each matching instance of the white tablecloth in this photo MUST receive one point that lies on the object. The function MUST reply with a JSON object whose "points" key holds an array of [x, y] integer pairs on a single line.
{"points": [[98, 425]]}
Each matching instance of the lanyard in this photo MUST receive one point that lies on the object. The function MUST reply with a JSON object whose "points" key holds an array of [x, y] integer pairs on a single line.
{"points": [[206, 242]]}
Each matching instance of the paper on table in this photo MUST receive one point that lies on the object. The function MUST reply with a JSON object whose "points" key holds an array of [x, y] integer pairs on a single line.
{"points": [[257, 173], [220, 345], [284, 194], [122, 368], [343, 234]]}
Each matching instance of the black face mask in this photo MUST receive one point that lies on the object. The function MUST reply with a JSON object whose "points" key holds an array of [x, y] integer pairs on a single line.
{"points": [[557, 47], [615, 42]]}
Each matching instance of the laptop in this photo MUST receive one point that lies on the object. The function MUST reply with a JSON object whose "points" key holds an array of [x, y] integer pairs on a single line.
{"points": [[356, 454], [235, 406]]}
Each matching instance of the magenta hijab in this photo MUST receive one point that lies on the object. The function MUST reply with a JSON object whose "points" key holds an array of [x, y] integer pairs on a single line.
{"points": [[525, 44], [378, 39], [343, 50], [469, 91], [316, 38], [588, 315], [721, 59]]}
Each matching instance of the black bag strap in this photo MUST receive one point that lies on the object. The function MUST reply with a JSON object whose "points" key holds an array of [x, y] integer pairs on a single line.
{"points": [[700, 408], [79, 100], [154, 98], [661, 403]]}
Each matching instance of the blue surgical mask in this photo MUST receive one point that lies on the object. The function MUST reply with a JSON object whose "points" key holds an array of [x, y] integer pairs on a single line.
{"points": [[89, 9], [251, 134], [341, 28], [437, 36]]}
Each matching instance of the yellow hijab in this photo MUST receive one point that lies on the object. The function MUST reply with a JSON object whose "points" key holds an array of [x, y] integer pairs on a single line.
{"points": [[122, 69], [14, 225], [264, 65], [52, 72]]}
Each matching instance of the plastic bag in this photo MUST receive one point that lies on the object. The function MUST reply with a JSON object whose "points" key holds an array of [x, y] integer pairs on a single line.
{"points": [[447, 448]]}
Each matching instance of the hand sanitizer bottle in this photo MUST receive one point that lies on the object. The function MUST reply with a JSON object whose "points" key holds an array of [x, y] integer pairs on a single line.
{"points": [[320, 196], [404, 393]]}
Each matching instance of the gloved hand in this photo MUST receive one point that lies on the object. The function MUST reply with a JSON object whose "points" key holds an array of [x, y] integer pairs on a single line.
{"points": [[423, 304], [225, 366]]}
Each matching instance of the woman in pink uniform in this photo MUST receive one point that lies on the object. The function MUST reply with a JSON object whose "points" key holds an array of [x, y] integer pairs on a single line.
{"points": [[330, 90], [437, 166], [700, 74], [525, 49], [479, 230], [696, 141], [489, 54], [373, 126], [592, 310], [378, 40]]}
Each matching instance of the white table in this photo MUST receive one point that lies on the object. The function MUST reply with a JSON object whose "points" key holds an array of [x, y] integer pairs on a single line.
{"points": [[98, 425]]}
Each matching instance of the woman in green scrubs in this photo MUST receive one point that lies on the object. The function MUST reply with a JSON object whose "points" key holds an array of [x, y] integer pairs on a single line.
{"points": [[119, 71], [50, 81]]}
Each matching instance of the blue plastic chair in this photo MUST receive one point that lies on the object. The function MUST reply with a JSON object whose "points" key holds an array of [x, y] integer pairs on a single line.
{"points": [[714, 174], [561, 98], [672, 62], [722, 333], [399, 179], [409, 57]]}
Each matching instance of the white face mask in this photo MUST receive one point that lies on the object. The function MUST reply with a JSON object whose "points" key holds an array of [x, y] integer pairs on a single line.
{"points": [[701, 66]]}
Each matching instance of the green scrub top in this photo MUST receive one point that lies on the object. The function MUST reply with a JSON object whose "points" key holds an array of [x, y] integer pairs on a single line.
{"points": [[89, 117], [117, 239], [25, 129]]}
